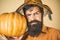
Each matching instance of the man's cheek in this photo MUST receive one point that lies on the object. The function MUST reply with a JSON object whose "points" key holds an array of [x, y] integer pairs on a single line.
{"points": [[39, 19], [29, 19]]}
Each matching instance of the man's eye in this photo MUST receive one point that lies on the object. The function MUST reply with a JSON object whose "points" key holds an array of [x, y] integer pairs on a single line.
{"points": [[28, 14], [36, 13]]}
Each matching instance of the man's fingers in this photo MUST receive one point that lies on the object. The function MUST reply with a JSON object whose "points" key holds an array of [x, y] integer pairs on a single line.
{"points": [[3, 37]]}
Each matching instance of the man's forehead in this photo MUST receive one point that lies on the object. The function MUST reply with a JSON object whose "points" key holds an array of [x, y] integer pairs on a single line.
{"points": [[33, 8]]}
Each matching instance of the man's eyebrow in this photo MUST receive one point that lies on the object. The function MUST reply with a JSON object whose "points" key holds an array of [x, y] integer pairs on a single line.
{"points": [[28, 14], [37, 11]]}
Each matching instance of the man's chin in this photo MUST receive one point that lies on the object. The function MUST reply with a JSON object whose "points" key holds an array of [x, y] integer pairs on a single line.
{"points": [[35, 33], [35, 30]]}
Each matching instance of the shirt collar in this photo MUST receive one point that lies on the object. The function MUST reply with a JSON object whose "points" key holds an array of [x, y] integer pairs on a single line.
{"points": [[44, 29]]}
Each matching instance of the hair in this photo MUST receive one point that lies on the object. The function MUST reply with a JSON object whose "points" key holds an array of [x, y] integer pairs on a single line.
{"points": [[28, 6]]}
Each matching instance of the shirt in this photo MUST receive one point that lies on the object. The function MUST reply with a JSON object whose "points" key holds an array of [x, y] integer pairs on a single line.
{"points": [[49, 34]]}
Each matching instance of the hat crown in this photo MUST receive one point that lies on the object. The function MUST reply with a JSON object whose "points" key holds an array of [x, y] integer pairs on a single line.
{"points": [[36, 1]]}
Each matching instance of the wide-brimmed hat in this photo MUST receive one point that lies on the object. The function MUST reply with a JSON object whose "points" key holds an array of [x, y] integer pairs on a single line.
{"points": [[46, 8]]}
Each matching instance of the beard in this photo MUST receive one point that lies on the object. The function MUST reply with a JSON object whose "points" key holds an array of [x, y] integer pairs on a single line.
{"points": [[35, 29]]}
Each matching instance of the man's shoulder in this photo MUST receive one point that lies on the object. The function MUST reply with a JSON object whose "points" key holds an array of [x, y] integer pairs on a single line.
{"points": [[52, 30]]}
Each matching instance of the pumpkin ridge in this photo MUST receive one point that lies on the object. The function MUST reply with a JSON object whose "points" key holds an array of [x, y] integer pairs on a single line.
{"points": [[12, 24]]}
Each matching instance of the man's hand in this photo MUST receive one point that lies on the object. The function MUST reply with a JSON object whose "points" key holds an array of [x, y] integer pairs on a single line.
{"points": [[10, 38], [3, 37]]}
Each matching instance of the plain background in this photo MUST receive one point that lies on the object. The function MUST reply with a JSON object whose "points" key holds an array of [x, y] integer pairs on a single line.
{"points": [[12, 5]]}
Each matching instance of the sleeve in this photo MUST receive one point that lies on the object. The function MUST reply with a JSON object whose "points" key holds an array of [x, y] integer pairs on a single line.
{"points": [[58, 35]]}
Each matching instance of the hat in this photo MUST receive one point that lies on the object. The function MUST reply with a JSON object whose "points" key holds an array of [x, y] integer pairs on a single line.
{"points": [[46, 8]]}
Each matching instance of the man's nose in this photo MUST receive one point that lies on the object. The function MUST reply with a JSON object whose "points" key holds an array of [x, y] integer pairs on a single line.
{"points": [[33, 17]]}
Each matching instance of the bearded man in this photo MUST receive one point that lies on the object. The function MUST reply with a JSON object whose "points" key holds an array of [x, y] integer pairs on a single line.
{"points": [[36, 29]]}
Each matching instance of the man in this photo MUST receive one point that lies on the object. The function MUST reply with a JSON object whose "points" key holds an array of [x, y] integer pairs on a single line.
{"points": [[34, 11], [36, 29]]}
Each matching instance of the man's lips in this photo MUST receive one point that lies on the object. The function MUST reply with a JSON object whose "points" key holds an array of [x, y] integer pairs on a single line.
{"points": [[33, 23]]}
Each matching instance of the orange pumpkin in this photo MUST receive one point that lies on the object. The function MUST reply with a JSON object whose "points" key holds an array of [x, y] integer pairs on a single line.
{"points": [[12, 24]]}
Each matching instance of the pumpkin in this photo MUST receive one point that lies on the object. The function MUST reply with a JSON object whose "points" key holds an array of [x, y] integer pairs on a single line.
{"points": [[12, 24]]}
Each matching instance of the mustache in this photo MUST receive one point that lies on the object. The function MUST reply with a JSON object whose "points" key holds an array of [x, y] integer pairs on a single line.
{"points": [[34, 21]]}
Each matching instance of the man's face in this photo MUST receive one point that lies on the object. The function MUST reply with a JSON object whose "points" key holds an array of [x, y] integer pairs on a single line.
{"points": [[33, 14], [34, 17]]}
